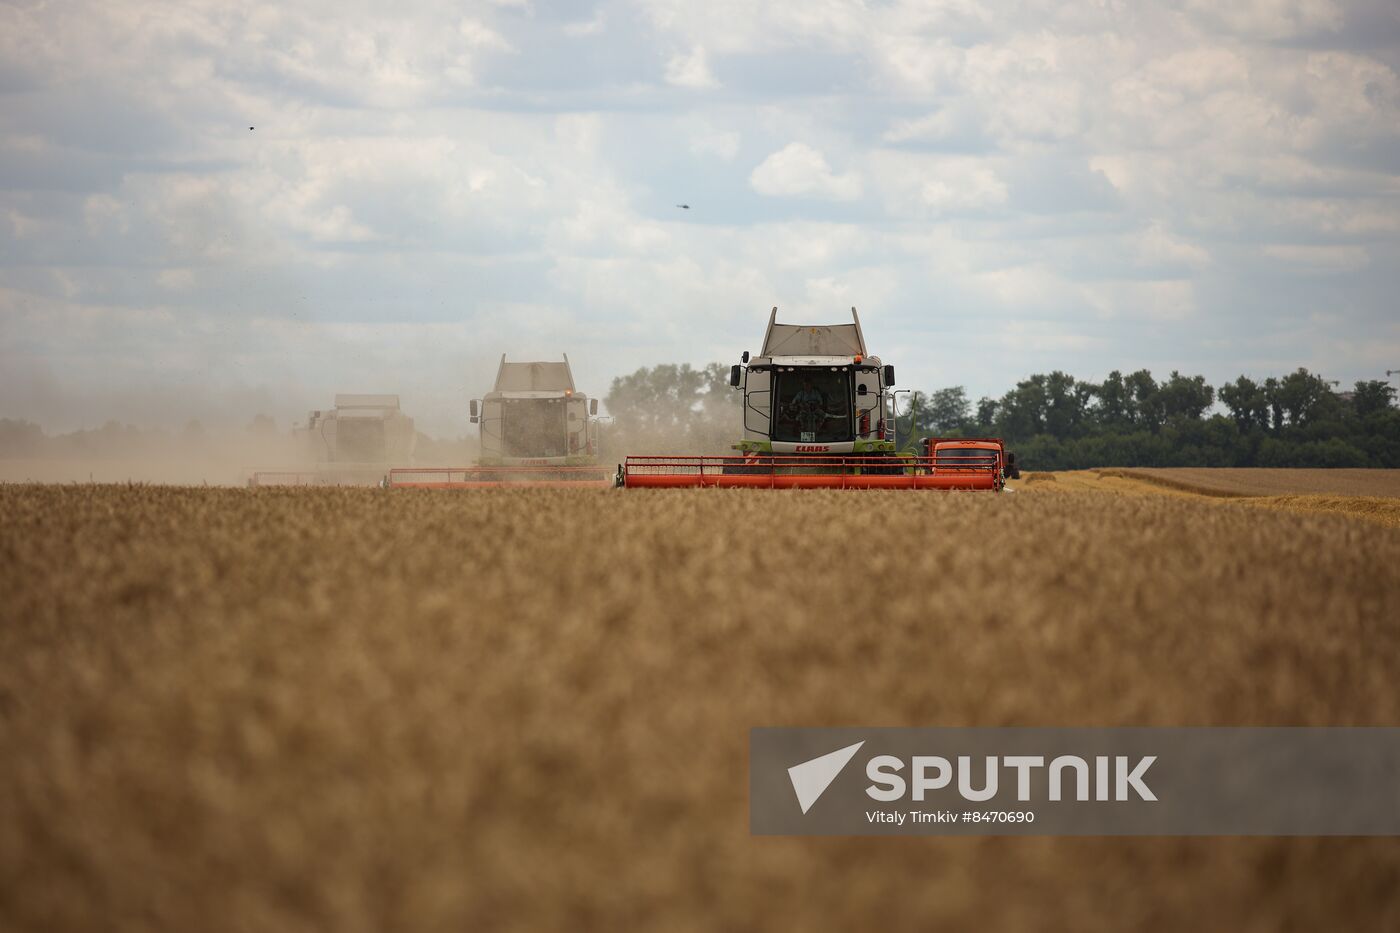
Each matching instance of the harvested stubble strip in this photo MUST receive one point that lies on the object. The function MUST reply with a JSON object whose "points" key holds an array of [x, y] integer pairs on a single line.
{"points": [[1245, 488], [1170, 482], [1257, 481]]}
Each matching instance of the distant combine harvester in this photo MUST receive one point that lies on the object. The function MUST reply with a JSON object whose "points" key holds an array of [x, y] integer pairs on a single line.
{"points": [[352, 444], [536, 429]]}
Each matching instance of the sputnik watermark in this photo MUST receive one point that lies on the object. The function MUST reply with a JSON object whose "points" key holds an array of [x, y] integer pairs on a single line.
{"points": [[1076, 781], [933, 772]]}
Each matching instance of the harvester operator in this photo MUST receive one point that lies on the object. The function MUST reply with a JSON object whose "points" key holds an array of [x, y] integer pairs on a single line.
{"points": [[808, 408]]}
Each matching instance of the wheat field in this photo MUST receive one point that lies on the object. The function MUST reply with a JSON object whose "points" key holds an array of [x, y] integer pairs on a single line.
{"points": [[341, 709]]}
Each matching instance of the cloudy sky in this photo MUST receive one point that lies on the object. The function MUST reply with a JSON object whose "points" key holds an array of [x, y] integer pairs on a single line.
{"points": [[213, 208]]}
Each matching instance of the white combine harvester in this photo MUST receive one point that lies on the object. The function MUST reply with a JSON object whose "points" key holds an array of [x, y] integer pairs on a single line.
{"points": [[819, 413], [815, 390], [537, 429], [352, 444]]}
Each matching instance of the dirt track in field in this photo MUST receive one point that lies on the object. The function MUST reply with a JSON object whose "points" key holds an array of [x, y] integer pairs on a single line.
{"points": [[227, 709]]}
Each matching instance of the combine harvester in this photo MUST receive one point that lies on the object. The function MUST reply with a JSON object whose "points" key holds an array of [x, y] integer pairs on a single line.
{"points": [[819, 412], [536, 430], [352, 444]]}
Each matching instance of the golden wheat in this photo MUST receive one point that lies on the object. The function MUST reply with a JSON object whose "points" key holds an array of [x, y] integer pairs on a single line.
{"points": [[227, 709]]}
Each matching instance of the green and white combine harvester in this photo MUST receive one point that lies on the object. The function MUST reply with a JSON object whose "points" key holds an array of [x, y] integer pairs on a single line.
{"points": [[819, 412]]}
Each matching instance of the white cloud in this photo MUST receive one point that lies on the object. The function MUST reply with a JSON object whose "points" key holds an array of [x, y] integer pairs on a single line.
{"points": [[730, 26], [691, 69], [1156, 300], [798, 170], [175, 279], [929, 185], [707, 140], [22, 225], [1027, 290], [588, 27], [1318, 259], [960, 186], [1157, 247], [480, 36], [1271, 20], [933, 127]]}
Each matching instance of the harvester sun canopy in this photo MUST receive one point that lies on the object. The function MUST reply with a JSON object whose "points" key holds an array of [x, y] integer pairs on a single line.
{"points": [[540, 376], [827, 340], [346, 403]]}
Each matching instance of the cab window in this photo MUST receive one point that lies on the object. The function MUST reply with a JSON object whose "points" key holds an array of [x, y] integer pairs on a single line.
{"points": [[813, 406]]}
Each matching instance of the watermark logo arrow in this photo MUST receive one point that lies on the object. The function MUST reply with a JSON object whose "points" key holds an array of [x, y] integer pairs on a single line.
{"points": [[811, 778]]}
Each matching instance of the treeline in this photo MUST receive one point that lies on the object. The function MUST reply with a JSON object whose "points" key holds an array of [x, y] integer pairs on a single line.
{"points": [[672, 409], [1057, 422], [1053, 422]]}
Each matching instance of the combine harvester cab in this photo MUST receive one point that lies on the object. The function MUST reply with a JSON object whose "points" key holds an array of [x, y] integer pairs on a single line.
{"points": [[352, 444], [818, 412], [536, 430]]}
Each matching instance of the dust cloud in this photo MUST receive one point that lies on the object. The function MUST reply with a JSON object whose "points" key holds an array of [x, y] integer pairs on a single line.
{"points": [[192, 455]]}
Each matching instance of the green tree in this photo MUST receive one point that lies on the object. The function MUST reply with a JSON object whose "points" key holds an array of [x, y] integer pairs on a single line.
{"points": [[1066, 404], [1185, 397], [1021, 413], [1116, 408], [1372, 396], [660, 400], [1248, 403], [1304, 396], [1271, 397], [986, 414], [675, 406], [948, 411], [1146, 400]]}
